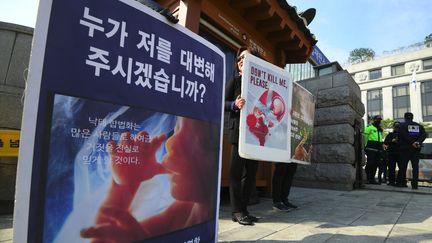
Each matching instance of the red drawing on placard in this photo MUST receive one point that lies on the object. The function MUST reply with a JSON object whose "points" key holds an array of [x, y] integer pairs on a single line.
{"points": [[266, 115]]}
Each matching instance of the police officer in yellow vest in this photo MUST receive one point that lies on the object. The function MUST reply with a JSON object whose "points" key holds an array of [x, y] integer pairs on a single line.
{"points": [[373, 146]]}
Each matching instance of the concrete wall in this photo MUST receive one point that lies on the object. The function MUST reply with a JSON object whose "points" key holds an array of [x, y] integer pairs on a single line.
{"points": [[338, 108], [15, 45]]}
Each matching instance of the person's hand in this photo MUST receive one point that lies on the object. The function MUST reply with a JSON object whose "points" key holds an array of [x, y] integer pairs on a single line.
{"points": [[385, 147], [239, 102], [119, 226], [134, 160]]}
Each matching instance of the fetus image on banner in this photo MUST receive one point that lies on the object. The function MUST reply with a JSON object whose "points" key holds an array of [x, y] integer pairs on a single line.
{"points": [[129, 174]]}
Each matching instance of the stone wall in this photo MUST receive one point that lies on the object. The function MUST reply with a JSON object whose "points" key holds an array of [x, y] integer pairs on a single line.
{"points": [[338, 109], [15, 45]]}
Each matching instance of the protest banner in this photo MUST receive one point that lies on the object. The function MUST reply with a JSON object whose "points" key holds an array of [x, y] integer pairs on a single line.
{"points": [[122, 124], [265, 124], [302, 123]]}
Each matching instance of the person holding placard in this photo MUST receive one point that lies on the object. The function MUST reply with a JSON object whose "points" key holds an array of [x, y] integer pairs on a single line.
{"points": [[239, 192]]}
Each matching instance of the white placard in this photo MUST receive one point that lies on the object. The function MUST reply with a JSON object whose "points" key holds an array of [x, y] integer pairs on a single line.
{"points": [[265, 121]]}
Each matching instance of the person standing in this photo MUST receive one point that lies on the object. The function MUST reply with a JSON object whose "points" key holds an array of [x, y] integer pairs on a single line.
{"points": [[382, 167], [283, 177], [391, 145], [373, 147], [411, 137], [239, 192]]}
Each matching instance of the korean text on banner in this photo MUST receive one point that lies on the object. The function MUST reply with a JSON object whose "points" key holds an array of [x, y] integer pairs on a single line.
{"points": [[128, 124]]}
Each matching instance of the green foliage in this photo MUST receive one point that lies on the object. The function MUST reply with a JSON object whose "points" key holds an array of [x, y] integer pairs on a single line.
{"points": [[387, 126], [387, 123], [359, 55], [428, 40], [308, 131], [428, 127]]}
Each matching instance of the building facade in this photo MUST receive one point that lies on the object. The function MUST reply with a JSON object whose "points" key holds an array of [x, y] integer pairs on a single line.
{"points": [[393, 85], [301, 71], [15, 44]]}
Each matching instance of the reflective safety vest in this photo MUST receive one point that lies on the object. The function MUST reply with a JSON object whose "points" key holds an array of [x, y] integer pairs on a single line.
{"points": [[373, 137]]}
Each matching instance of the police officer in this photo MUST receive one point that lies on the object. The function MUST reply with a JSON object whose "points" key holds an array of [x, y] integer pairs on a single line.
{"points": [[373, 147], [411, 137], [391, 145]]}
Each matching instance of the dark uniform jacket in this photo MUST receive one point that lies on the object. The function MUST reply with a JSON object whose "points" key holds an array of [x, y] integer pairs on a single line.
{"points": [[392, 140], [410, 132], [232, 90]]}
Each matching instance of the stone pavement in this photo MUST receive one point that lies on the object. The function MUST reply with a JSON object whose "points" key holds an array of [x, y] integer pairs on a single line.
{"points": [[378, 213], [6, 228]]}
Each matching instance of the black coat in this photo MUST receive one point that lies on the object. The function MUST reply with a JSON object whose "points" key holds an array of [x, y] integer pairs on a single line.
{"points": [[410, 132], [232, 90], [392, 140]]}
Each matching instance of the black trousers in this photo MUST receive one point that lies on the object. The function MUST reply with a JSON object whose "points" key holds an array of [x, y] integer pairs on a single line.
{"points": [[240, 192], [372, 164], [406, 156], [393, 159], [283, 176], [382, 168]]}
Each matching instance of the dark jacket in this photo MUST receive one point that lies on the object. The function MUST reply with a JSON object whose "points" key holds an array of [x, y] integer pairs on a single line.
{"points": [[410, 132], [232, 90], [392, 141]]}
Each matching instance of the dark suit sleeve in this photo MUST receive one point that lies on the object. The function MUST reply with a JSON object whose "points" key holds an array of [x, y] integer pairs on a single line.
{"points": [[423, 135], [388, 139], [229, 94]]}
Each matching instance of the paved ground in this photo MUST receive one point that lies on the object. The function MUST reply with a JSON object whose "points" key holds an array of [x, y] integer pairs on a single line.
{"points": [[378, 213], [6, 228]]}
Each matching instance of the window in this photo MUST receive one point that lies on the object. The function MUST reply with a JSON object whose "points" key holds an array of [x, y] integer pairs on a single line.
{"points": [[398, 70], [300, 71], [324, 71], [426, 99], [374, 102], [427, 64], [401, 101], [375, 74]]}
